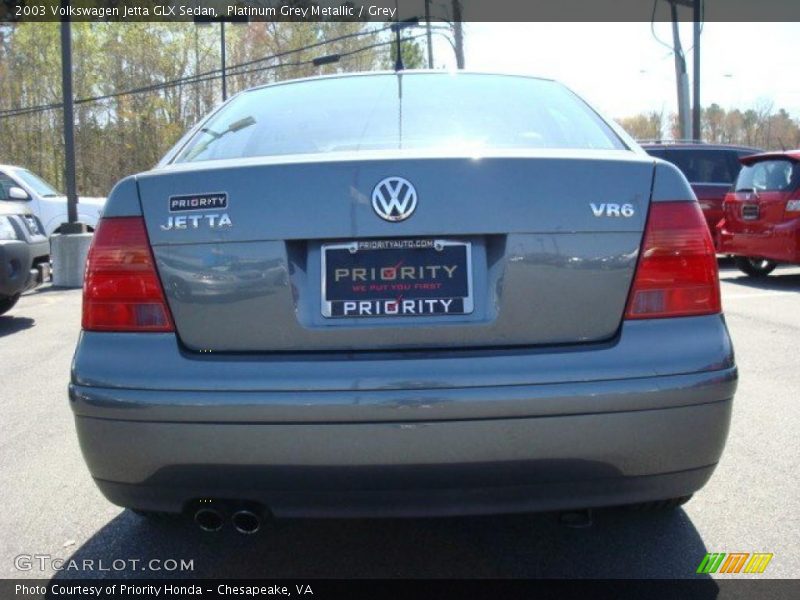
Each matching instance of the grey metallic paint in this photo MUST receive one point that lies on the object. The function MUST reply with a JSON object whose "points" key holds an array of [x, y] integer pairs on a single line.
{"points": [[529, 220], [407, 405], [642, 349], [318, 434], [543, 398], [592, 437], [123, 201], [169, 490]]}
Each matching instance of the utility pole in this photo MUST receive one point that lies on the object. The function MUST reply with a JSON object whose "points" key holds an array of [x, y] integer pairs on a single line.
{"points": [[69, 130], [429, 33], [398, 59], [696, 106], [196, 71], [68, 247], [682, 78], [458, 34], [222, 56]]}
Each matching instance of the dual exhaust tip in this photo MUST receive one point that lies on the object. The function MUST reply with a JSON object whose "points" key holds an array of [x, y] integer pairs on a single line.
{"points": [[244, 521]]}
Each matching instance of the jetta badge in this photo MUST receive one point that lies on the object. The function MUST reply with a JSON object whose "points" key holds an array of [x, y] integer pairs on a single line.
{"points": [[196, 206], [394, 199]]}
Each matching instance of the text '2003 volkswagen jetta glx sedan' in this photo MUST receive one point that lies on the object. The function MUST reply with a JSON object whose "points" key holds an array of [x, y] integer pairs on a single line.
{"points": [[402, 294]]}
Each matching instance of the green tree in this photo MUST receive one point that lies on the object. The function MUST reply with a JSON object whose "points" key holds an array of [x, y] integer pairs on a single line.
{"points": [[712, 121], [644, 126], [126, 133], [413, 55]]}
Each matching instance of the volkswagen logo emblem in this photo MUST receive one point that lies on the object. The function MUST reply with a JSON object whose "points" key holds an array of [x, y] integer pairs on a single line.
{"points": [[394, 199]]}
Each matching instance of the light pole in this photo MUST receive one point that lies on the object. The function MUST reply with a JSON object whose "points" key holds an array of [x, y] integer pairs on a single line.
{"points": [[693, 127], [458, 34], [697, 108], [397, 27], [684, 118], [398, 57], [222, 56], [72, 225], [69, 247], [429, 33]]}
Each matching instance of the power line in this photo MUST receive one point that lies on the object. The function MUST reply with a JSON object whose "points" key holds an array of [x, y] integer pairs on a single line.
{"points": [[340, 55], [191, 79], [315, 45], [198, 77]]}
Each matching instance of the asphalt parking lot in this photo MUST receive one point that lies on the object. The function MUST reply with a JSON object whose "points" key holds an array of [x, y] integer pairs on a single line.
{"points": [[51, 507]]}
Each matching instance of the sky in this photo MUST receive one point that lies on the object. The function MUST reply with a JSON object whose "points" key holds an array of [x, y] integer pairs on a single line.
{"points": [[622, 70]]}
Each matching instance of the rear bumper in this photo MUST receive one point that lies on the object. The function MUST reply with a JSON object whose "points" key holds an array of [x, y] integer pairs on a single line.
{"points": [[712, 212], [511, 437], [418, 501], [402, 469], [18, 269], [780, 243]]}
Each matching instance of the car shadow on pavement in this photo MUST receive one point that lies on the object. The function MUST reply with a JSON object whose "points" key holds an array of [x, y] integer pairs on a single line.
{"points": [[9, 325], [46, 289], [619, 544]]}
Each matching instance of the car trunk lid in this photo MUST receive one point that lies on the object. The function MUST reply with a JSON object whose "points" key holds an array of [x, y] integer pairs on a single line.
{"points": [[552, 239]]}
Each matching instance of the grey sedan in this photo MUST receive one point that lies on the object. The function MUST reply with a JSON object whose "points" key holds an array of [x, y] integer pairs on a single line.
{"points": [[414, 293]]}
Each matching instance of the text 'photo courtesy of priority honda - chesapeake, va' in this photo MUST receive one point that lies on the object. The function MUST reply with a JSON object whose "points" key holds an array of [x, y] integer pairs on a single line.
{"points": [[399, 298]]}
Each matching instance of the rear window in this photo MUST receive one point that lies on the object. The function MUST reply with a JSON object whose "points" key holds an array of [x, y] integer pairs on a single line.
{"points": [[410, 111], [705, 166], [769, 175]]}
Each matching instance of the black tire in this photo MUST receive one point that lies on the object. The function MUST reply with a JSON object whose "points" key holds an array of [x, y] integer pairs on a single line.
{"points": [[754, 266], [661, 505], [7, 303]]}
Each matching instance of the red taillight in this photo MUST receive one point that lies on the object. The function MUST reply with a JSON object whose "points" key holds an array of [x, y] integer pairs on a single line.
{"points": [[793, 202], [121, 290], [677, 274]]}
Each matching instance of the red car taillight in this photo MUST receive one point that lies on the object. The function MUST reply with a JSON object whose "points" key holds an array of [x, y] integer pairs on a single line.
{"points": [[793, 203], [121, 290], [677, 273]]}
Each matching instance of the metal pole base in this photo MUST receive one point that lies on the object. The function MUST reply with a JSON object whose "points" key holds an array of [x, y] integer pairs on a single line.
{"points": [[72, 228], [68, 253]]}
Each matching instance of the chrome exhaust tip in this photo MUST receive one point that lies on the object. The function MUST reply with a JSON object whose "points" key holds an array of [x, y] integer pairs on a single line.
{"points": [[208, 519], [246, 522]]}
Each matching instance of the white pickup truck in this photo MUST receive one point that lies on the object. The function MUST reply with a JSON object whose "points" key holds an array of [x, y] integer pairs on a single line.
{"points": [[19, 184]]}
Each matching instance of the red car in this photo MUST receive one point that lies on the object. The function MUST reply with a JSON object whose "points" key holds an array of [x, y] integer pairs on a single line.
{"points": [[761, 216], [710, 168]]}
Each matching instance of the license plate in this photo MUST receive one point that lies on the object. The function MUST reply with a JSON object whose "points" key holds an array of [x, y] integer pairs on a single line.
{"points": [[396, 278], [750, 212]]}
